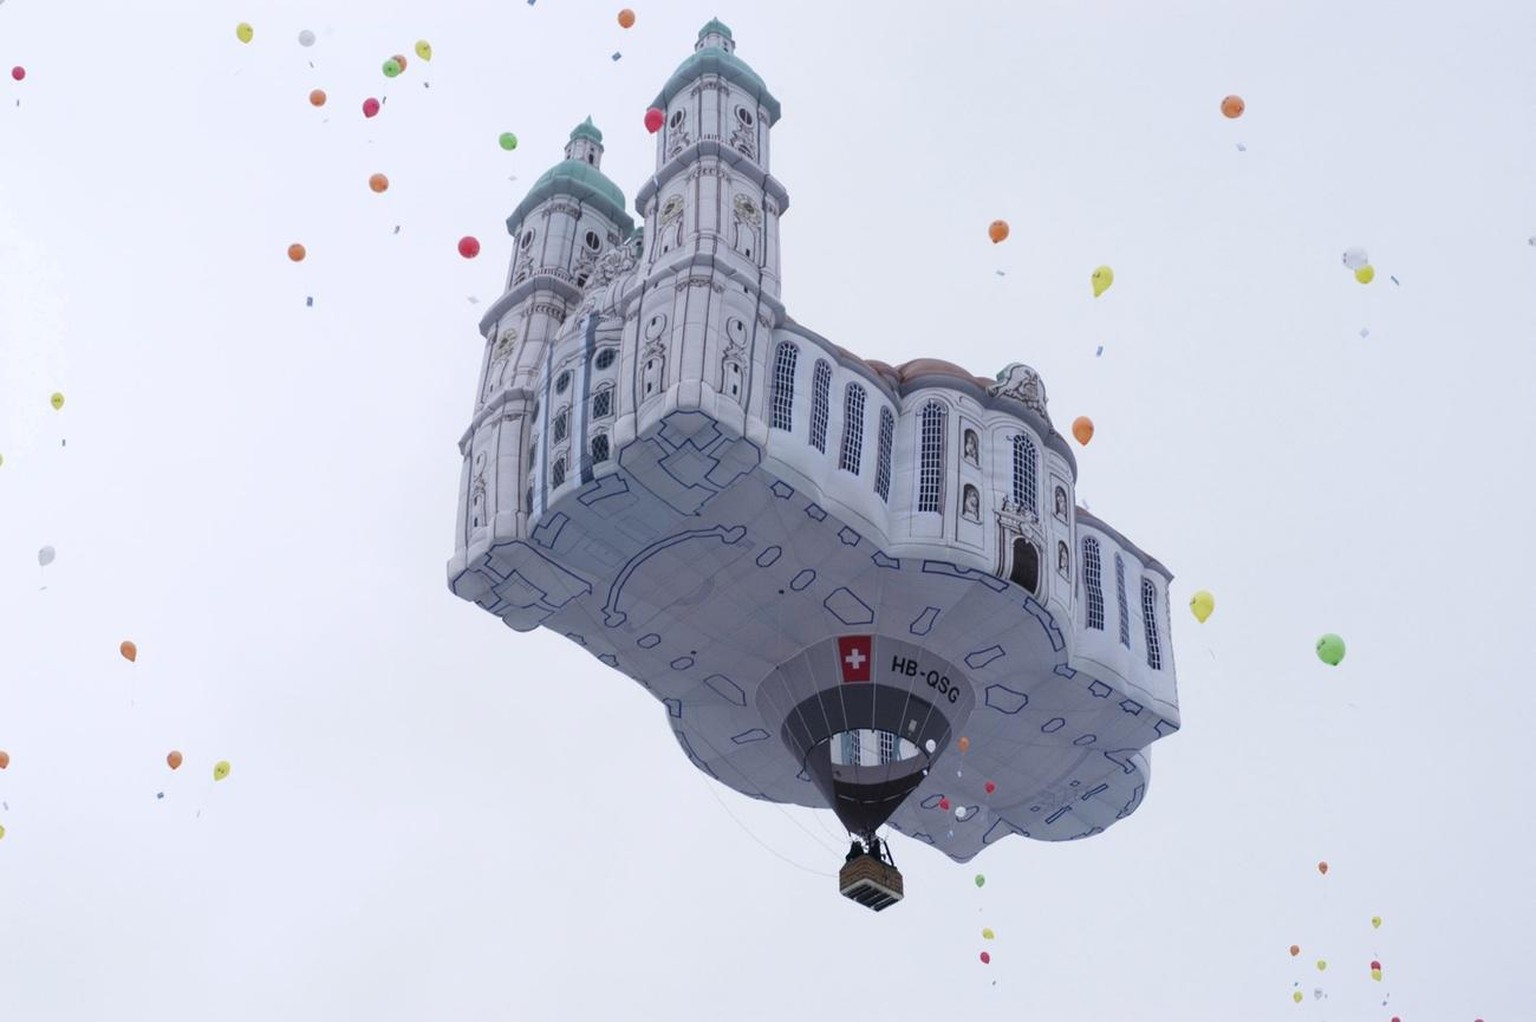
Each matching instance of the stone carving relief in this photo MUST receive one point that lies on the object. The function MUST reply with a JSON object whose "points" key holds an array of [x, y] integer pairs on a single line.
{"points": [[1021, 383]]}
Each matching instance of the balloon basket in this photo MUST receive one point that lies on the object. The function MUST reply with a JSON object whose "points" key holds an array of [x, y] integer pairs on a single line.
{"points": [[870, 882]]}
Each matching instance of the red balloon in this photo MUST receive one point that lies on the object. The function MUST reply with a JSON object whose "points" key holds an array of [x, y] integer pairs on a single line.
{"points": [[944, 803], [653, 119], [986, 959], [991, 787], [1375, 965], [18, 72], [469, 247], [370, 107]]}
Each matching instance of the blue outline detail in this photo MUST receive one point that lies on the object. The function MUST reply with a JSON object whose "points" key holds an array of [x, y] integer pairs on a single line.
{"points": [[649, 640], [1060, 723], [782, 490], [991, 581], [1099, 690], [612, 485], [797, 585], [1018, 700], [1085, 739], [971, 658], [848, 594], [726, 689], [730, 535], [773, 553], [674, 707], [844, 535], [757, 734], [682, 663], [551, 526], [884, 560], [925, 619], [816, 512]]}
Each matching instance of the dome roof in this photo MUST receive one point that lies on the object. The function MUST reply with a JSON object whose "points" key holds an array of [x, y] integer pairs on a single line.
{"points": [[586, 129], [715, 25], [579, 180], [714, 60], [937, 367]]}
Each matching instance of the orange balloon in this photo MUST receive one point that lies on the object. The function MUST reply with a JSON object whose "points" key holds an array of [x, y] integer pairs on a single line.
{"points": [[5, 759], [997, 230], [317, 97], [1322, 867], [1233, 106], [1082, 428], [174, 759], [129, 651], [400, 60], [964, 743], [296, 252], [1295, 950], [626, 18], [378, 183]]}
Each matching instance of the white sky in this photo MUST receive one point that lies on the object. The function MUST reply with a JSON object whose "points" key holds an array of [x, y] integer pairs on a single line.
{"points": [[431, 816]]}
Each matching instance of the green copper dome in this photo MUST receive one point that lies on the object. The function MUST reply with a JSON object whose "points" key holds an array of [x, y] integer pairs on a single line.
{"points": [[586, 129], [714, 60], [580, 181]]}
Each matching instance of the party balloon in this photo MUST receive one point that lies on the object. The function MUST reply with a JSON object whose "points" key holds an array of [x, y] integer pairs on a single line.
{"points": [[45, 556], [1201, 604], [378, 182], [990, 787], [986, 959], [1376, 965], [1375, 922], [317, 97], [296, 252], [1355, 258], [244, 32], [959, 812], [1082, 428], [5, 759], [626, 18], [306, 38], [653, 119], [997, 230], [1296, 997], [508, 141], [1321, 965], [399, 58], [986, 933], [370, 107], [944, 804], [2, 832], [1102, 278], [424, 49], [129, 651], [469, 247], [57, 400], [1365, 274], [930, 745], [964, 744], [1233, 106], [173, 759], [18, 72], [221, 770], [1295, 950], [1322, 867], [981, 879], [1330, 649], [392, 68]]}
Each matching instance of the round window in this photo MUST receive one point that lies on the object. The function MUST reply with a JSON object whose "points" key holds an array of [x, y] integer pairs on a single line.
{"points": [[605, 357], [677, 118], [562, 382], [593, 241], [744, 116], [527, 239]]}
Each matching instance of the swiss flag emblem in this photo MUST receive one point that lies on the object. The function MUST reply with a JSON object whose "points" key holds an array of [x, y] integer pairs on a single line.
{"points": [[854, 653]]}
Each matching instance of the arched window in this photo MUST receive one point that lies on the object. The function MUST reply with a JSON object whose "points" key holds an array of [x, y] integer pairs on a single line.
{"points": [[1149, 621], [1093, 583], [930, 483], [600, 448], [1025, 492], [562, 425], [883, 454], [783, 404], [821, 399], [1125, 611], [557, 474], [602, 403], [853, 429]]}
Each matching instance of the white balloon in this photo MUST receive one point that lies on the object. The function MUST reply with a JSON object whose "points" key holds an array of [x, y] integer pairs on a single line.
{"points": [[930, 745], [306, 38], [1354, 258], [959, 812], [45, 556]]}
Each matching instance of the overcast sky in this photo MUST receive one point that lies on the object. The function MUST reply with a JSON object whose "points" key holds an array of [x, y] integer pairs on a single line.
{"points": [[424, 818]]}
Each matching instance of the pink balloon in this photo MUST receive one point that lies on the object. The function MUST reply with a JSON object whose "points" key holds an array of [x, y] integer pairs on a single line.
{"points": [[18, 72], [991, 787], [986, 959], [370, 107], [469, 247], [653, 120]]}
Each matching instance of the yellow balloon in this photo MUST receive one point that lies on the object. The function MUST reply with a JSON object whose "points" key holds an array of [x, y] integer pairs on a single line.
{"points": [[1376, 975], [1296, 997], [221, 770], [2, 832], [1321, 965], [1365, 274], [57, 400], [244, 32], [1375, 922], [987, 933], [1202, 603], [1102, 278], [423, 49]]}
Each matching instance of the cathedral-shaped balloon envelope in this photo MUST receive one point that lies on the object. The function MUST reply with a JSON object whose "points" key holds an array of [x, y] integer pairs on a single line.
{"points": [[849, 585]]}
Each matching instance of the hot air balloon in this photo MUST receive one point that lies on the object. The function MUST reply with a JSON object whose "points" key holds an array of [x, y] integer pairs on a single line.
{"points": [[1330, 650], [1201, 604], [173, 759], [1102, 278], [1233, 107], [997, 230], [1082, 429], [129, 651], [654, 118], [791, 588]]}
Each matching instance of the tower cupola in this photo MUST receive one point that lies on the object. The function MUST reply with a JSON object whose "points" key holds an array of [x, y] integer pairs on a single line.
{"points": [[586, 144]]}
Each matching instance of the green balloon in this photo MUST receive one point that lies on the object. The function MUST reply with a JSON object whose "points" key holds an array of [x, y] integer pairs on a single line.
{"points": [[508, 141], [980, 880], [1330, 649], [391, 68]]}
